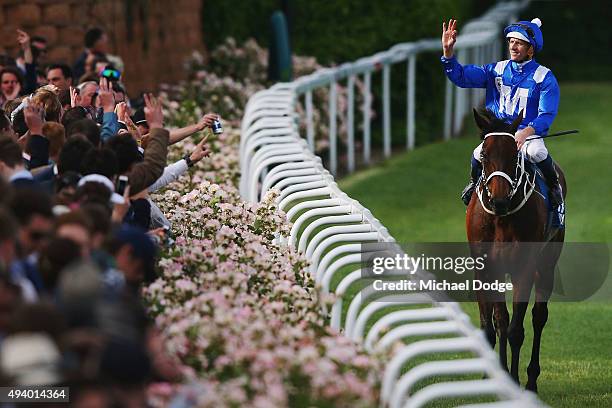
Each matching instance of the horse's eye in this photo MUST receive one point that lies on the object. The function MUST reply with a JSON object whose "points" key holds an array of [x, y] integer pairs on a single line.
{"points": [[483, 157]]}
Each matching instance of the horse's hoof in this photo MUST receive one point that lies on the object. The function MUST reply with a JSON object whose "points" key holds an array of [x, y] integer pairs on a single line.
{"points": [[532, 387]]}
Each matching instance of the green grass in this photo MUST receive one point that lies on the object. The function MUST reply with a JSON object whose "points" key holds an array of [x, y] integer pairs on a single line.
{"points": [[416, 196]]}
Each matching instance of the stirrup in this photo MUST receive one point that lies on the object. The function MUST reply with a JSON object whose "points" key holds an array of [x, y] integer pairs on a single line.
{"points": [[466, 194]]}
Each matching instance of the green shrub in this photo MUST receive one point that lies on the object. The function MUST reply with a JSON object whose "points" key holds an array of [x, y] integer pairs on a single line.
{"points": [[346, 30], [340, 30], [576, 38]]}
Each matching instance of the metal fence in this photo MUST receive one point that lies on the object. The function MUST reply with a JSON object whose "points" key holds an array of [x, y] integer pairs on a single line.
{"points": [[478, 43], [329, 227]]}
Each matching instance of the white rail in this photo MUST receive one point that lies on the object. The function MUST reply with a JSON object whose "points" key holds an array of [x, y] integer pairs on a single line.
{"points": [[329, 226]]}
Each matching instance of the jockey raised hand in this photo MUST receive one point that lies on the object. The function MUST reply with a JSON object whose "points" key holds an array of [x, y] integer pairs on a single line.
{"points": [[516, 85]]}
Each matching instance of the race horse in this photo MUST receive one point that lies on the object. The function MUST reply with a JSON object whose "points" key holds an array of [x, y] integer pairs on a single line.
{"points": [[507, 222]]}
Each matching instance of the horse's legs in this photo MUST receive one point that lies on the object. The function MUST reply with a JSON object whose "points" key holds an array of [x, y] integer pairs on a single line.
{"points": [[522, 283], [500, 311], [539, 318], [486, 318], [543, 289], [516, 336]]}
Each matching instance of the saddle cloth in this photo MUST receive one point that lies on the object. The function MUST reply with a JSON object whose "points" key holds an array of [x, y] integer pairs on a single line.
{"points": [[555, 219]]}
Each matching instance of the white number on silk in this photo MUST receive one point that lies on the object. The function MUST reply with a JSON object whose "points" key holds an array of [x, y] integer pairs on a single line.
{"points": [[508, 104]]}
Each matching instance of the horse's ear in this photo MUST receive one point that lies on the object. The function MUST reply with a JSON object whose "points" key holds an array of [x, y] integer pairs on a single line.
{"points": [[481, 120], [517, 122]]}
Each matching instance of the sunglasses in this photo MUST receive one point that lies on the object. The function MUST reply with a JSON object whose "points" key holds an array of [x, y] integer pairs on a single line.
{"points": [[111, 74]]}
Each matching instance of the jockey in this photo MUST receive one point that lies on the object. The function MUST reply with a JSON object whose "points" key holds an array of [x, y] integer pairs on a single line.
{"points": [[513, 86]]}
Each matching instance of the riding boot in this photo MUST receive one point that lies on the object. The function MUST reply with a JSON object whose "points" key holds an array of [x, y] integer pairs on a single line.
{"points": [[466, 195], [547, 168]]}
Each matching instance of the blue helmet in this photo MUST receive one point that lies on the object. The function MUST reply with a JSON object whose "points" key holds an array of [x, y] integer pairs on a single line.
{"points": [[527, 31]]}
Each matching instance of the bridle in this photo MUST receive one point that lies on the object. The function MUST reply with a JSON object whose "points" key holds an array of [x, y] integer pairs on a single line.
{"points": [[521, 177]]}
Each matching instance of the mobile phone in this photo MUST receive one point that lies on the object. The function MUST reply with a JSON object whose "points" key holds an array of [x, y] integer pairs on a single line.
{"points": [[122, 183], [99, 115]]}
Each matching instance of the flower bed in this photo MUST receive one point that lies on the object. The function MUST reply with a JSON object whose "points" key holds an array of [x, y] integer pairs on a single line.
{"points": [[239, 315]]}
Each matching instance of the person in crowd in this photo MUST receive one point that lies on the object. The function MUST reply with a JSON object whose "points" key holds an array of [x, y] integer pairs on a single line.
{"points": [[12, 166], [38, 45], [11, 84], [10, 299], [96, 46], [76, 227], [55, 133], [74, 254], [6, 127], [33, 210], [86, 127], [59, 75], [8, 237], [88, 91], [30, 55], [6, 61]]}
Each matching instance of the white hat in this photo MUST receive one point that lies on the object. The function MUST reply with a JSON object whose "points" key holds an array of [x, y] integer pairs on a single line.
{"points": [[99, 178], [30, 359]]}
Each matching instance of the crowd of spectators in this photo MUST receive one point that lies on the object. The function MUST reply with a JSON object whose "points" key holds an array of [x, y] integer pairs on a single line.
{"points": [[79, 235]]}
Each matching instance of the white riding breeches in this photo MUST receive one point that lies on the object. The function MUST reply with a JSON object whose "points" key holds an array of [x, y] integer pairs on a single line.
{"points": [[534, 150]]}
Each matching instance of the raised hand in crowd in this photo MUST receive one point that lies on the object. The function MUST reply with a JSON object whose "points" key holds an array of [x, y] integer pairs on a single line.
{"points": [[133, 129], [120, 111], [24, 42], [200, 151], [122, 114], [153, 111], [121, 209], [176, 135], [75, 98], [34, 118], [106, 97], [207, 120]]}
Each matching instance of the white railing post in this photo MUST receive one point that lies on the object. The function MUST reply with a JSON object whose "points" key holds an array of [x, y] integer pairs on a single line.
{"points": [[367, 106], [309, 122], [333, 128], [387, 110], [410, 117], [350, 126]]}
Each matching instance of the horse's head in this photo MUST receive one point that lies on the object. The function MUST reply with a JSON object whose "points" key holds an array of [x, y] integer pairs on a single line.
{"points": [[499, 158]]}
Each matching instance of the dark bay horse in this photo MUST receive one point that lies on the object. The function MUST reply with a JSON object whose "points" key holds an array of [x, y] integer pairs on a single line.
{"points": [[506, 220]]}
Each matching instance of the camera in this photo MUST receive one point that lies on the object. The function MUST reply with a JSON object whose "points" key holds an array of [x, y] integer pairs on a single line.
{"points": [[165, 238]]}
